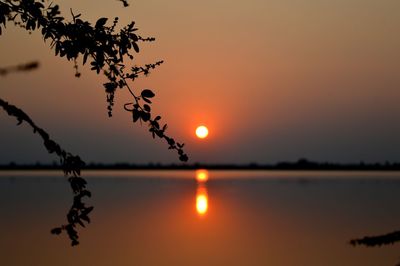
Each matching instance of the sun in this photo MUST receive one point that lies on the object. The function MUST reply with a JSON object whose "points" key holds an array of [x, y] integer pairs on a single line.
{"points": [[201, 132], [201, 175]]}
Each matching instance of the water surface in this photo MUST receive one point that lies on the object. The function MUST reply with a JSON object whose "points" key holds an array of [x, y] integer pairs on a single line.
{"points": [[222, 218]]}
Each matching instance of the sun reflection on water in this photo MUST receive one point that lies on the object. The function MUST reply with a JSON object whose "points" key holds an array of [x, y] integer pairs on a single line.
{"points": [[201, 192], [201, 200]]}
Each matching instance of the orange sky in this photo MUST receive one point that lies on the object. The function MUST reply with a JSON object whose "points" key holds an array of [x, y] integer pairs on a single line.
{"points": [[273, 80]]}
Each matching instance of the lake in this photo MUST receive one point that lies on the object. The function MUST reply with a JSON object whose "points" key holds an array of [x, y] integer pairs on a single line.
{"points": [[277, 218]]}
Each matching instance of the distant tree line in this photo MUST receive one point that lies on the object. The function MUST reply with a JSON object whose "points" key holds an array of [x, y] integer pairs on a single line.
{"points": [[301, 164]]}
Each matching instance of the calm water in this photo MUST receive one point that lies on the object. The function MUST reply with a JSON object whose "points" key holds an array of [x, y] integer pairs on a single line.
{"points": [[233, 218]]}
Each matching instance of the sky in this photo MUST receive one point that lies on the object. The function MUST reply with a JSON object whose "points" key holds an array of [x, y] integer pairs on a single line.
{"points": [[274, 80]]}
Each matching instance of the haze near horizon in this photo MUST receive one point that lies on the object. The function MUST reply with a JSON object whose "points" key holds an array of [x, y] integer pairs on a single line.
{"points": [[272, 81]]}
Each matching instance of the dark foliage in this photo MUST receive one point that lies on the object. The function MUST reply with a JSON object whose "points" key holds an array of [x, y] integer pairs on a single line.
{"points": [[106, 49], [23, 67], [71, 165], [371, 241], [102, 44]]}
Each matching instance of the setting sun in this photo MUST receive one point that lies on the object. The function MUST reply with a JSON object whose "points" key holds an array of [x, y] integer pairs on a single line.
{"points": [[201, 132]]}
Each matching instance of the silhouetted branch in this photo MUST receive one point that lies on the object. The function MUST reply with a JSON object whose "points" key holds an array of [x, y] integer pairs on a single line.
{"points": [[71, 165], [22, 67], [105, 47], [371, 241]]}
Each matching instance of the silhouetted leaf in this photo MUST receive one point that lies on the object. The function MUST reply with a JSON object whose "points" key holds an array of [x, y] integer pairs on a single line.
{"points": [[171, 141], [135, 115], [183, 158], [56, 231], [80, 223], [87, 210], [85, 218], [147, 108], [147, 94], [85, 56], [146, 100], [180, 145], [110, 86], [145, 116], [101, 22], [135, 47], [74, 242]]}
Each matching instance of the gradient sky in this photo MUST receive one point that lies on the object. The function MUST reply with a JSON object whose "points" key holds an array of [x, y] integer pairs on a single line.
{"points": [[273, 80]]}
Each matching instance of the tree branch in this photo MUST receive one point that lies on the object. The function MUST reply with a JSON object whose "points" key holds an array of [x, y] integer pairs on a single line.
{"points": [[100, 43], [22, 67], [71, 165], [371, 241]]}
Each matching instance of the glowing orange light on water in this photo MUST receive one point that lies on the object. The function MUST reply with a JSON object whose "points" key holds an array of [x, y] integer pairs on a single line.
{"points": [[201, 175], [201, 200], [201, 132]]}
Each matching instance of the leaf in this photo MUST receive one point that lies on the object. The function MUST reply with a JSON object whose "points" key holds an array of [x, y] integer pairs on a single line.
{"points": [[180, 145], [147, 94], [81, 223], [145, 116], [184, 158], [152, 132], [171, 141], [155, 124], [160, 133], [146, 100], [135, 115], [95, 66], [85, 56], [110, 86], [87, 210], [101, 22], [56, 231], [147, 108], [135, 47], [85, 218]]}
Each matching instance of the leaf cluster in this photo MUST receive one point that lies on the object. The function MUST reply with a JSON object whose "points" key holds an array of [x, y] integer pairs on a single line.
{"points": [[144, 114], [101, 44]]}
